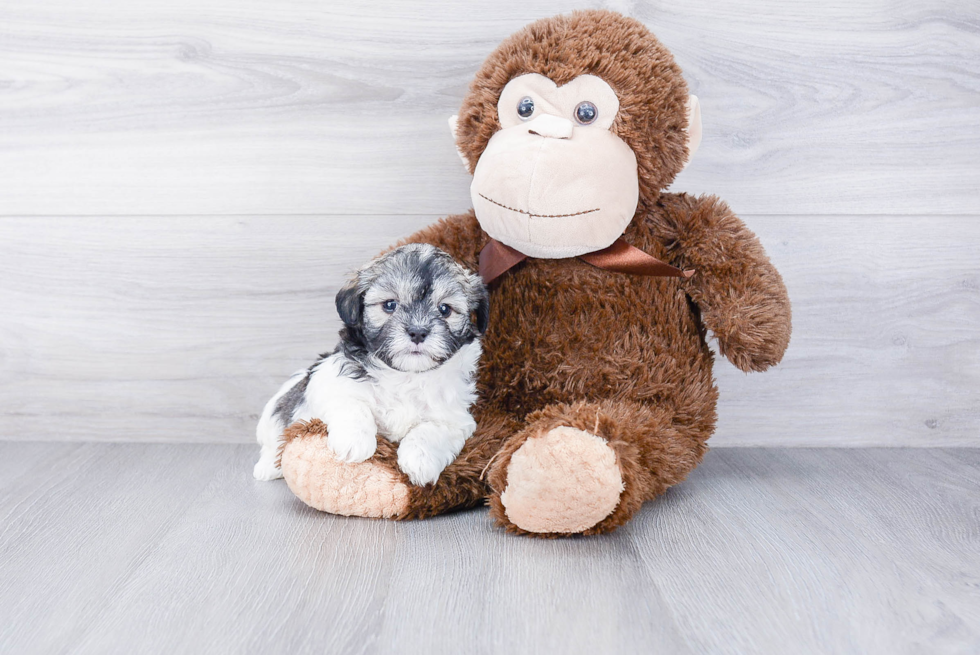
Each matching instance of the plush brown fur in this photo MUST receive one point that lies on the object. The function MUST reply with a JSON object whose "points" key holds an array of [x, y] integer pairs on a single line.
{"points": [[619, 356]]}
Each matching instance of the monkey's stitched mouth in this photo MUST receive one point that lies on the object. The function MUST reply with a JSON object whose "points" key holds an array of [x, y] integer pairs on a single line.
{"points": [[526, 213]]}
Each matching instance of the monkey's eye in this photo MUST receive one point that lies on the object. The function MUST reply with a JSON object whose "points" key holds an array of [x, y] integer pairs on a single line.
{"points": [[525, 107], [445, 309], [586, 112], [389, 306]]}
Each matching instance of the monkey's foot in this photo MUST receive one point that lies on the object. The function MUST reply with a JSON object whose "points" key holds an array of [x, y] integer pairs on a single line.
{"points": [[324, 482], [560, 481]]}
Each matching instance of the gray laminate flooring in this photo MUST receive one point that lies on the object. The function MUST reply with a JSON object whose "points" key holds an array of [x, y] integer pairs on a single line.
{"points": [[124, 548]]}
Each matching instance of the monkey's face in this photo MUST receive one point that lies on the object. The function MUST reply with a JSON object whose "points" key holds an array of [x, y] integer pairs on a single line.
{"points": [[554, 181], [568, 126]]}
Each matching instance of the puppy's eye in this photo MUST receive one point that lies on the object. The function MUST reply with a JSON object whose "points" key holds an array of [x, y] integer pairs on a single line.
{"points": [[525, 107], [586, 112], [445, 309], [389, 306]]}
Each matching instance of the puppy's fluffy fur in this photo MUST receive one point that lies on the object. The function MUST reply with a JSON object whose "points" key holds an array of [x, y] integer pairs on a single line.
{"points": [[405, 367]]}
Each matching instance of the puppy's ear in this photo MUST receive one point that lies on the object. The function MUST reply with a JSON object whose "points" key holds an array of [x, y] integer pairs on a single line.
{"points": [[350, 303], [482, 307]]}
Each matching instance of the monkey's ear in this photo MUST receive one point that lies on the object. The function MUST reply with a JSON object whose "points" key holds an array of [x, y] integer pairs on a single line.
{"points": [[453, 121], [693, 127], [350, 304]]}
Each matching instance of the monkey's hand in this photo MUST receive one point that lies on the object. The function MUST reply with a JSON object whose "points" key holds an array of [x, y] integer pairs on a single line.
{"points": [[739, 292]]}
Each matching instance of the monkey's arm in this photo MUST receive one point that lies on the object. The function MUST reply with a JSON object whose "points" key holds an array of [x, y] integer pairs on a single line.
{"points": [[459, 235], [740, 293]]}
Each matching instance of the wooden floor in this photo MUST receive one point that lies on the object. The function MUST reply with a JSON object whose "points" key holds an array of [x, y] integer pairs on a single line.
{"points": [[174, 548]]}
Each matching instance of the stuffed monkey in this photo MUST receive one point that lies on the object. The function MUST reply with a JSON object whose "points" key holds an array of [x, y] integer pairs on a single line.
{"points": [[596, 392]]}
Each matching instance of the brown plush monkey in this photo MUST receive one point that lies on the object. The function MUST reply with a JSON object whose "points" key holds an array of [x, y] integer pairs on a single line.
{"points": [[596, 387]]}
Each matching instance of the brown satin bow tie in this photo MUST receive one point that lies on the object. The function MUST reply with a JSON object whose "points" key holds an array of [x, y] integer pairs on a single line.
{"points": [[497, 258]]}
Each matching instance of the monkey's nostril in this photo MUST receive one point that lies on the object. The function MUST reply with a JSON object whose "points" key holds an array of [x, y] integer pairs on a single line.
{"points": [[417, 335], [550, 127]]}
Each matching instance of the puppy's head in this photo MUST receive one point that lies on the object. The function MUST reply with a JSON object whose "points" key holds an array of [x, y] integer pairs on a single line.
{"points": [[413, 308]]}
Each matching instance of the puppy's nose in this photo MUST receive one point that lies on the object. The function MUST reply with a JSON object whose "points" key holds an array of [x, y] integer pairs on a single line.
{"points": [[417, 334], [551, 127]]}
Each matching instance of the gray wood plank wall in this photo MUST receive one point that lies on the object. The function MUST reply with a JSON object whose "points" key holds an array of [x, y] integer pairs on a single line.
{"points": [[184, 185]]}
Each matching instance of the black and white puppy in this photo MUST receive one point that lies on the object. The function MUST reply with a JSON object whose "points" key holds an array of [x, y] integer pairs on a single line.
{"points": [[405, 367]]}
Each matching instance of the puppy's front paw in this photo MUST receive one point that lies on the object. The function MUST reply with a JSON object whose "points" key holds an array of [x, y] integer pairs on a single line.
{"points": [[352, 442], [422, 465]]}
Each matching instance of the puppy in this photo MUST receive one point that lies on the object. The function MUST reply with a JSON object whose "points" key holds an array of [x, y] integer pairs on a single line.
{"points": [[405, 367]]}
